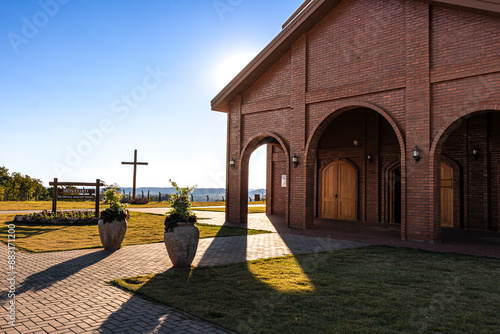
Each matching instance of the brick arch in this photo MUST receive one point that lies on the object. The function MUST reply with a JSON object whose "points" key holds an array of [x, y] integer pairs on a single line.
{"points": [[253, 144], [311, 150], [435, 154], [244, 161], [453, 123], [313, 140]]}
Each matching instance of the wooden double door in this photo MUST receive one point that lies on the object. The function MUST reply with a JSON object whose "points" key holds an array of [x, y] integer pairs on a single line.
{"points": [[338, 191]]}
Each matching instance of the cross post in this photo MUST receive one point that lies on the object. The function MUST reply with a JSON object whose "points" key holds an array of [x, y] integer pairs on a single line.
{"points": [[135, 163]]}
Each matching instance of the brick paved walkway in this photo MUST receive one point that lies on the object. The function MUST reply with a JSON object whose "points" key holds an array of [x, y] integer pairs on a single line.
{"points": [[65, 292]]}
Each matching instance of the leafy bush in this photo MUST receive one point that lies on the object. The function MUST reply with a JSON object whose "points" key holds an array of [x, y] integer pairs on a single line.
{"points": [[73, 216], [116, 209], [181, 207]]}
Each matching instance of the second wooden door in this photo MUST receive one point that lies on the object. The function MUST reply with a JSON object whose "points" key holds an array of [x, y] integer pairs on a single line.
{"points": [[446, 195]]}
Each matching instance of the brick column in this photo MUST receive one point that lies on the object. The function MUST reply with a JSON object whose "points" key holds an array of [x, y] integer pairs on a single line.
{"points": [[420, 189], [236, 205], [300, 215], [372, 171]]}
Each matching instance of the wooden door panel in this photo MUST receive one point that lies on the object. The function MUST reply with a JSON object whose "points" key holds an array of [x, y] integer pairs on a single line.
{"points": [[338, 191], [329, 209], [329, 205], [347, 191], [446, 195]]}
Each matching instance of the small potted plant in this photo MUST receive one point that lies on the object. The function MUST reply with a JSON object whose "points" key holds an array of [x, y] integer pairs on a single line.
{"points": [[181, 234], [113, 221]]}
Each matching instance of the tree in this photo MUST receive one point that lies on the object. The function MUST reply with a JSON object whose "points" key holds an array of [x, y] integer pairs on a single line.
{"points": [[19, 187], [4, 175]]}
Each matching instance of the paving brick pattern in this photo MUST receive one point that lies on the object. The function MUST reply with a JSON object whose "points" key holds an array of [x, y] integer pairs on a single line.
{"points": [[66, 292]]}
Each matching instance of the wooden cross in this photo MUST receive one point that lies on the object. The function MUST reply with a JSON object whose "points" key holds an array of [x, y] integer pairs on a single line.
{"points": [[135, 163]]}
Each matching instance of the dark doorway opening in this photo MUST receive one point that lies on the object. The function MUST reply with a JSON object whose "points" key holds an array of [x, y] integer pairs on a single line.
{"points": [[395, 195]]}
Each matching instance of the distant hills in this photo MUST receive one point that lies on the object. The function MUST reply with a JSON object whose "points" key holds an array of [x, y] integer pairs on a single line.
{"points": [[199, 194]]}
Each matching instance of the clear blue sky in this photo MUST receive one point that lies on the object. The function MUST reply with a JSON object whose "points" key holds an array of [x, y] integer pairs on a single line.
{"points": [[84, 83]]}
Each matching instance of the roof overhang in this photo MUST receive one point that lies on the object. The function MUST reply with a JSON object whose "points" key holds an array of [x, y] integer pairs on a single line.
{"points": [[305, 18]]}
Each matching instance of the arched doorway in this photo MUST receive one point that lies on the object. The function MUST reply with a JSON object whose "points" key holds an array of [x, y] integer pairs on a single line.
{"points": [[467, 172], [366, 140], [237, 211], [338, 198]]}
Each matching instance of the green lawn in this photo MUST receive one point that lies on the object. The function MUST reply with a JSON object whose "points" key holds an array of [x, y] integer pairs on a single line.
{"points": [[143, 228], [47, 205], [362, 290]]}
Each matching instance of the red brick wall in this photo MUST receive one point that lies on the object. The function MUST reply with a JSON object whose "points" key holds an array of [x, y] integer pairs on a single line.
{"points": [[451, 98], [463, 43], [358, 37], [256, 124], [275, 83], [424, 66]]}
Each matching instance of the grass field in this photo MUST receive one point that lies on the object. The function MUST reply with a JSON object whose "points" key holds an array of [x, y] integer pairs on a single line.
{"points": [[143, 228], [362, 290], [47, 205]]}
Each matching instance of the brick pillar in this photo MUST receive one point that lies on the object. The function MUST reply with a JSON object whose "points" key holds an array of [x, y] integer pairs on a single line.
{"points": [[236, 179], [372, 170], [420, 189], [299, 214], [420, 182]]}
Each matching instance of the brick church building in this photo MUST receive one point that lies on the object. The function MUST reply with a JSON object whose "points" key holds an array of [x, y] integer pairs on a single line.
{"points": [[383, 111]]}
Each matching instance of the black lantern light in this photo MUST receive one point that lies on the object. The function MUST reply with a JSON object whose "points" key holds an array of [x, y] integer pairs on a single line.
{"points": [[369, 157], [416, 154], [475, 152], [295, 160], [232, 163]]}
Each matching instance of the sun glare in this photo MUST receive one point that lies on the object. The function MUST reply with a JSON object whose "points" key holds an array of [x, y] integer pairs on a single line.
{"points": [[230, 67]]}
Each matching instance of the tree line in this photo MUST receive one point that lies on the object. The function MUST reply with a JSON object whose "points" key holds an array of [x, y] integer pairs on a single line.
{"points": [[19, 187]]}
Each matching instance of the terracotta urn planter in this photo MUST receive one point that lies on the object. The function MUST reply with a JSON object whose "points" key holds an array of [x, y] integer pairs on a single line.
{"points": [[112, 233], [182, 243]]}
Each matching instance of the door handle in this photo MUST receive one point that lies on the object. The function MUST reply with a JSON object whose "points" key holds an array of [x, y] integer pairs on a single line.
{"points": [[336, 196]]}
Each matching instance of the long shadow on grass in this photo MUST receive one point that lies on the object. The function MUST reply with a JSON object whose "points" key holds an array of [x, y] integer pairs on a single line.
{"points": [[217, 307], [268, 299], [26, 230], [376, 289]]}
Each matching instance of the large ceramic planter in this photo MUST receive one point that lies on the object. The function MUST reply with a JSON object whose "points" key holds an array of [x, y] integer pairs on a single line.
{"points": [[182, 244], [112, 234]]}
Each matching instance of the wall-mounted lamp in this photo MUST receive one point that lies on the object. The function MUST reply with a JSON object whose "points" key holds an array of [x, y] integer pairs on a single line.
{"points": [[369, 157], [295, 160], [416, 154], [232, 163], [475, 152]]}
